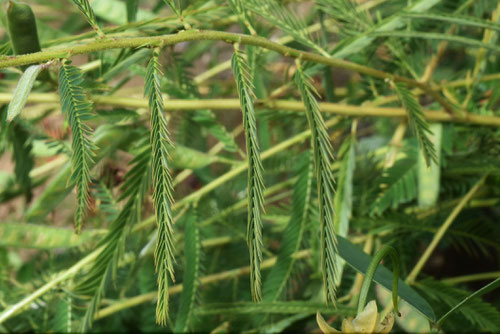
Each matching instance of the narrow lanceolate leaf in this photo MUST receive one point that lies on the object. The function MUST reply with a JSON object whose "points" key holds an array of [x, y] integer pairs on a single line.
{"points": [[292, 236], [417, 121], [192, 253], [323, 157], [255, 171], [343, 197], [23, 89], [162, 188], [86, 9], [77, 109]]}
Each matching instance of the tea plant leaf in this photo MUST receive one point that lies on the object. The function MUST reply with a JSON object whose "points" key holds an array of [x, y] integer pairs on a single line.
{"points": [[162, 188], [86, 10], [277, 278], [255, 178], [22, 91], [77, 109], [418, 122], [323, 157], [192, 252], [397, 185]]}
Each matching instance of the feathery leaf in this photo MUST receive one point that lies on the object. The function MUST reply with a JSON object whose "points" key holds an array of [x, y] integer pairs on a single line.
{"points": [[283, 18], [397, 185], [417, 121], [255, 171], [86, 10], [192, 252], [277, 278], [162, 188], [323, 157], [77, 109]]}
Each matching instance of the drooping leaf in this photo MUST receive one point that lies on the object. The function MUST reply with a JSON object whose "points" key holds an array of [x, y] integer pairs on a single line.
{"points": [[77, 109], [255, 178], [162, 188], [323, 157], [418, 122], [192, 253], [277, 278]]}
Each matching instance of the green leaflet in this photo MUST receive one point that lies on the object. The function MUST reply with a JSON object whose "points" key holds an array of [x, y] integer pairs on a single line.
{"points": [[22, 91], [162, 188], [43, 237], [360, 261], [255, 171], [283, 18], [77, 109], [417, 122], [359, 42], [323, 156], [192, 253], [429, 176], [86, 10], [397, 185], [343, 197], [279, 274], [22, 146]]}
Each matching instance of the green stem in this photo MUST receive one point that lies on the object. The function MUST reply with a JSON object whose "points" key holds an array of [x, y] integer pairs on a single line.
{"points": [[471, 278], [297, 106], [485, 289], [199, 35], [370, 272], [442, 230]]}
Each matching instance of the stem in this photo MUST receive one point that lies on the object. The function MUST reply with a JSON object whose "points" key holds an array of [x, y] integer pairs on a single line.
{"points": [[442, 230], [14, 309], [290, 105], [370, 272], [198, 35], [471, 278], [225, 275]]}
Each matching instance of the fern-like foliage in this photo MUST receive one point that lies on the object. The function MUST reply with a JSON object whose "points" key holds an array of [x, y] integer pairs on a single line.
{"points": [[476, 311], [286, 20], [275, 282], [86, 10], [162, 188], [77, 109], [255, 179], [323, 157], [418, 122], [105, 266], [397, 185], [192, 253], [22, 148]]}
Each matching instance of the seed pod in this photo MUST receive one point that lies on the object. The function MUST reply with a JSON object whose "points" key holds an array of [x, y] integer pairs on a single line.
{"points": [[22, 28]]}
